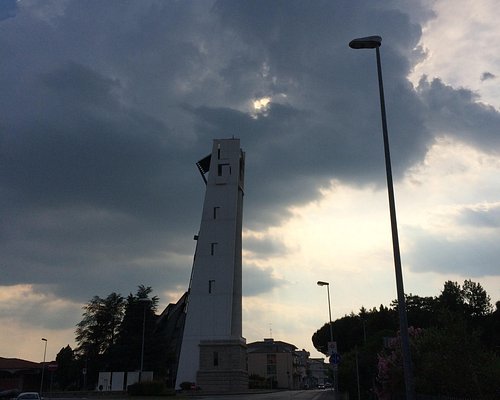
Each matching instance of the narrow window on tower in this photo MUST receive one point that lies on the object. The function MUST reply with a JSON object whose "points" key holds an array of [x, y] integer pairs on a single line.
{"points": [[216, 358], [211, 285], [242, 168], [218, 151], [224, 169], [213, 246], [216, 211]]}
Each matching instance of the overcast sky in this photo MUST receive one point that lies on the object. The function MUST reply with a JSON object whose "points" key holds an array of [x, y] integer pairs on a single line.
{"points": [[105, 107]]}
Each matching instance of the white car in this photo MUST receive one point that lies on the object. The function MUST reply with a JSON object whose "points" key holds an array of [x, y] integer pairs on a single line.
{"points": [[29, 396]]}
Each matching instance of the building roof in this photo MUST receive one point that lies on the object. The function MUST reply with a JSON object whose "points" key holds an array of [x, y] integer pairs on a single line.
{"points": [[270, 346], [16, 364]]}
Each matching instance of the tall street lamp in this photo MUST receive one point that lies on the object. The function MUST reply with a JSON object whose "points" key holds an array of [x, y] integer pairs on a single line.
{"points": [[327, 284], [374, 42], [145, 302], [43, 365]]}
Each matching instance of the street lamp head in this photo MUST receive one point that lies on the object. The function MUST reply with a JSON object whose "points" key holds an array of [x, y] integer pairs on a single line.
{"points": [[321, 283], [369, 42], [44, 339]]}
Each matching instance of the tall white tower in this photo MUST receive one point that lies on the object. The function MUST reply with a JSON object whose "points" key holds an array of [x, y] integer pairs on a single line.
{"points": [[213, 351]]}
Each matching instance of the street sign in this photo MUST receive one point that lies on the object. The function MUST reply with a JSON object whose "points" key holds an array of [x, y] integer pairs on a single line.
{"points": [[52, 367], [335, 358], [332, 348]]}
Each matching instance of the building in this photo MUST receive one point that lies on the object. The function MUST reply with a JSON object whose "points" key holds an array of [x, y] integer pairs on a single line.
{"points": [[301, 370], [276, 364], [213, 350], [318, 372], [170, 327], [19, 375]]}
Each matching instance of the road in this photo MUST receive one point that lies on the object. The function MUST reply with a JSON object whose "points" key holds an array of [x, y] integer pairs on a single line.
{"points": [[286, 395], [316, 394]]}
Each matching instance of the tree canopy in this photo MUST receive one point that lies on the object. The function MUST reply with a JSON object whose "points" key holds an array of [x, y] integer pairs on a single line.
{"points": [[454, 345], [110, 335]]}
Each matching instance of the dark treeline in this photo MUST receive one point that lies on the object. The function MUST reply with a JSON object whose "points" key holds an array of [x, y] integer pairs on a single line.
{"points": [[109, 338], [455, 346]]}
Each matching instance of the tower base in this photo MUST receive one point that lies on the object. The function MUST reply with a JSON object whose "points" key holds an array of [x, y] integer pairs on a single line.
{"points": [[223, 366]]}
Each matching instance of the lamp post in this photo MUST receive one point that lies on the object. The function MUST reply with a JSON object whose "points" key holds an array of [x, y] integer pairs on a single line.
{"points": [[321, 283], [327, 284], [43, 365], [145, 302], [374, 42]]}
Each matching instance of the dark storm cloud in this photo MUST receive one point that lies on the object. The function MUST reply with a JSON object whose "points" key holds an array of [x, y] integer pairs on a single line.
{"points": [[485, 76], [259, 280], [8, 9], [106, 106], [92, 186], [455, 112]]}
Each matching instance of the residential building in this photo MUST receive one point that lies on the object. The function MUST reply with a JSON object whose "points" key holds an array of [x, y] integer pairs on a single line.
{"points": [[276, 364], [318, 372], [19, 375]]}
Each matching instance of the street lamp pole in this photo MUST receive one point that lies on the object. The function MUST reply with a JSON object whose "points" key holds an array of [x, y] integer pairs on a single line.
{"points": [[43, 365], [327, 284], [321, 283], [374, 42], [145, 302]]}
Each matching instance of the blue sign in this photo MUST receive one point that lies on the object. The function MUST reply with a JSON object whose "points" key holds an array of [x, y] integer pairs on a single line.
{"points": [[335, 358]]}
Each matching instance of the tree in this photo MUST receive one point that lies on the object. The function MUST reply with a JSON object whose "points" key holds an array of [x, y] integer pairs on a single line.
{"points": [[490, 335], [390, 379], [421, 311], [99, 326], [126, 353], [470, 301], [450, 360], [96, 332], [476, 300], [109, 336], [448, 331], [66, 374], [451, 297]]}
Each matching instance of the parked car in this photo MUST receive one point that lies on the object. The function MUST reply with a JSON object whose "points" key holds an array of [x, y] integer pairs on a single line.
{"points": [[29, 396], [9, 393]]}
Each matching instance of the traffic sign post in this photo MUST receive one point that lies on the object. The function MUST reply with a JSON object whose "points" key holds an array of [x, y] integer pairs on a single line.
{"points": [[52, 367], [335, 359], [332, 348], [334, 362]]}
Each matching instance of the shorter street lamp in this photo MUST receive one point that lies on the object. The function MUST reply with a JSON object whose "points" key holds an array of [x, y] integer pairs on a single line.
{"points": [[43, 365], [321, 283], [145, 302], [335, 376]]}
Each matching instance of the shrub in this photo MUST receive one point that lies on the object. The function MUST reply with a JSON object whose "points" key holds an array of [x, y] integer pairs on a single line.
{"points": [[187, 385], [151, 388]]}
